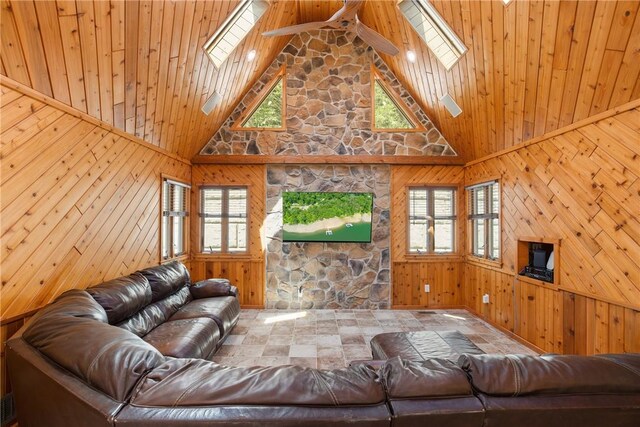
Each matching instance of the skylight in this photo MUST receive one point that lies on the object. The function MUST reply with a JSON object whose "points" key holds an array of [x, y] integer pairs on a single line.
{"points": [[434, 30], [234, 29]]}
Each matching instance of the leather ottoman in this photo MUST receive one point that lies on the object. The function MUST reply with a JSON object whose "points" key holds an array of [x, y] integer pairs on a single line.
{"points": [[422, 345]]}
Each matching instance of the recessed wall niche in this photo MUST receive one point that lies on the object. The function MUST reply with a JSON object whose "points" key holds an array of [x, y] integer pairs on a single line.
{"points": [[328, 275]]}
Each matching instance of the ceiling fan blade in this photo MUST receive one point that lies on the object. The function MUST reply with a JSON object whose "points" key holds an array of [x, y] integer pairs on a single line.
{"points": [[295, 29], [375, 40], [347, 11]]}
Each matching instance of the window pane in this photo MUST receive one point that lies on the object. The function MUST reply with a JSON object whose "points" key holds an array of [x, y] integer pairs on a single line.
{"points": [[269, 112], [479, 202], [478, 237], [495, 238], [212, 212], [387, 113], [178, 235], [418, 220], [212, 235], [237, 220], [165, 236], [495, 198], [178, 202], [443, 235], [443, 203]]}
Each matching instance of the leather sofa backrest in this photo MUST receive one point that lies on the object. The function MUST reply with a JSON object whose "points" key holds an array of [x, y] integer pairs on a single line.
{"points": [[73, 332], [154, 314], [421, 379], [166, 279], [193, 382], [518, 375], [122, 297]]}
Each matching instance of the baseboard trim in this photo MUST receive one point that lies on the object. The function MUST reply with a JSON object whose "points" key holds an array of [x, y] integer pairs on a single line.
{"points": [[507, 332]]}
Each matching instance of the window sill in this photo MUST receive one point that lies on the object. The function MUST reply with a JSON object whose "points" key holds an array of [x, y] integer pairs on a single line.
{"points": [[484, 261], [181, 258], [433, 257], [226, 256]]}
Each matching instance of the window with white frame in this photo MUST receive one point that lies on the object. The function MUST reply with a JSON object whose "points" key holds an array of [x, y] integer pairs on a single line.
{"points": [[432, 220], [223, 217], [484, 219], [175, 212]]}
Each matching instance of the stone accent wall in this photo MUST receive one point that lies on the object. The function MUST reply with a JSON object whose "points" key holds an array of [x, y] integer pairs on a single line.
{"points": [[331, 275], [328, 105]]}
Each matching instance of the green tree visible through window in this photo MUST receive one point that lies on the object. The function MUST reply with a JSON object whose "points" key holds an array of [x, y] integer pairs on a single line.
{"points": [[387, 114], [269, 113]]}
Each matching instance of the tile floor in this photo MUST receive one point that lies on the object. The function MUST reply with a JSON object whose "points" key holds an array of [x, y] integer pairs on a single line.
{"points": [[332, 338]]}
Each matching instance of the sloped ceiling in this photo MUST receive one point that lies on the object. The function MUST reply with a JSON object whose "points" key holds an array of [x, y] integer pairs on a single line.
{"points": [[532, 66]]}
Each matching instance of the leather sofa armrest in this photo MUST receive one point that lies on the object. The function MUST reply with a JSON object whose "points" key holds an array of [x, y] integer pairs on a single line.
{"points": [[213, 288]]}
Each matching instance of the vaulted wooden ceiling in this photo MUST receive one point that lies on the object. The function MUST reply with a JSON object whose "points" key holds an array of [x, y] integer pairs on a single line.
{"points": [[532, 66]]}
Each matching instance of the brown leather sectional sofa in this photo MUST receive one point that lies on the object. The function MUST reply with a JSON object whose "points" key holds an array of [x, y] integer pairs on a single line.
{"points": [[133, 352]]}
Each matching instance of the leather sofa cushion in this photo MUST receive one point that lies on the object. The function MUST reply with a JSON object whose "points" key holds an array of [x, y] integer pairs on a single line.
{"points": [[223, 310], [201, 383], [429, 378], [122, 297], [422, 345], [107, 358], [516, 375], [188, 338], [154, 314], [213, 288], [166, 279]]}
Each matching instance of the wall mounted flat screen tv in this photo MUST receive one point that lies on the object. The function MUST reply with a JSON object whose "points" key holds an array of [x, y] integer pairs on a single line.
{"points": [[327, 217]]}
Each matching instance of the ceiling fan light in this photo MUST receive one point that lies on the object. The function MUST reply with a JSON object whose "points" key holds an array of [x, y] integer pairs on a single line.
{"points": [[211, 102]]}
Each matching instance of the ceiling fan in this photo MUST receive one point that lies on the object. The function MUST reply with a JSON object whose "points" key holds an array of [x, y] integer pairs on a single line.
{"points": [[344, 19]]}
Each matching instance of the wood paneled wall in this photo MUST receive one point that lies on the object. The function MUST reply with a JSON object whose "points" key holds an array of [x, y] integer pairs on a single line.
{"points": [[554, 321], [411, 272], [80, 203], [532, 66], [246, 271], [138, 65], [582, 186]]}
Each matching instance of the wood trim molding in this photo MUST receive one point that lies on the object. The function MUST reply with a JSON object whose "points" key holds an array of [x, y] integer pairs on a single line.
{"points": [[258, 159], [34, 94], [581, 123]]}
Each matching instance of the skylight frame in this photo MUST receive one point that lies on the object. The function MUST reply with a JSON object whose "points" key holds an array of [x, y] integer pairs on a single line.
{"points": [[445, 42], [244, 13]]}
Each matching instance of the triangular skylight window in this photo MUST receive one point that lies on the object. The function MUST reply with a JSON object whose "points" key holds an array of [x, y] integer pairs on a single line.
{"points": [[389, 112], [267, 112]]}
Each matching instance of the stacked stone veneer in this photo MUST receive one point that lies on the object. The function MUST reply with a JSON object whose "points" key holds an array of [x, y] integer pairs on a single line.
{"points": [[328, 91], [331, 275]]}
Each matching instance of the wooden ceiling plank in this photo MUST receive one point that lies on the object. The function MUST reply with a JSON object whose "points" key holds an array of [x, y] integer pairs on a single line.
{"points": [[142, 72], [629, 74], [105, 60], [130, 65], [157, 48], [26, 24], [11, 53]]}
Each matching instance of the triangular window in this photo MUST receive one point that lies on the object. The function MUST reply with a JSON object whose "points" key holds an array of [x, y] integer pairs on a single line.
{"points": [[389, 111], [267, 111]]}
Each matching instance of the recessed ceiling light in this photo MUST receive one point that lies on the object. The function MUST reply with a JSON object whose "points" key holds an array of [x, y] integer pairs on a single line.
{"points": [[411, 56], [251, 55], [506, 2]]}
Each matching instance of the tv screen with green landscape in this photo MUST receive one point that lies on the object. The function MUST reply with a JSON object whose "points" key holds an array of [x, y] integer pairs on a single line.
{"points": [[326, 217]]}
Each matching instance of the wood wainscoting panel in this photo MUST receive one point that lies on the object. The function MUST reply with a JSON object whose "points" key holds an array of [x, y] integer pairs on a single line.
{"points": [[581, 186], [246, 271], [411, 272], [80, 204]]}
